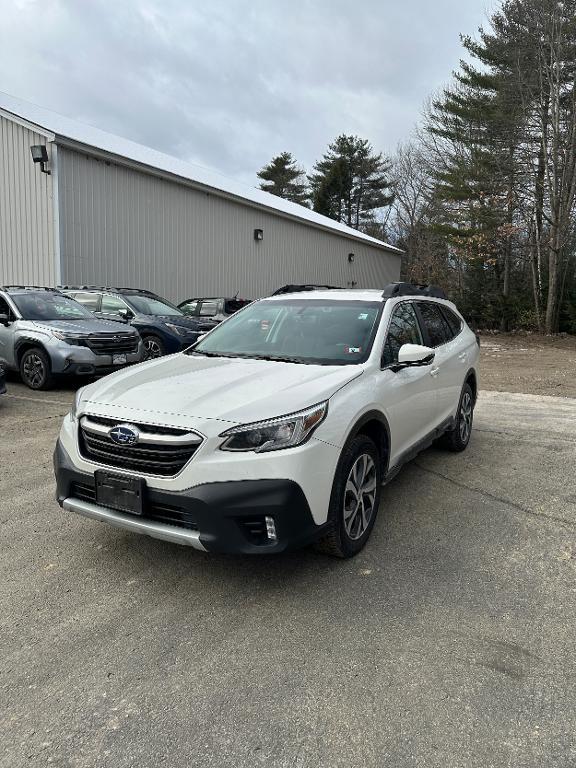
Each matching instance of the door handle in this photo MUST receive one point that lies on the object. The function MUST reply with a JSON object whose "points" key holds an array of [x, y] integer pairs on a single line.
{"points": [[434, 372], [462, 356]]}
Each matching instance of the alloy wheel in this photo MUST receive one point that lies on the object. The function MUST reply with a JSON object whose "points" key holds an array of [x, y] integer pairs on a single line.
{"points": [[465, 417], [152, 349], [359, 496], [34, 371]]}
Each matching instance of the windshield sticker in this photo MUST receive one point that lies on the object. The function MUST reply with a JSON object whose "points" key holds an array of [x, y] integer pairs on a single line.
{"points": [[352, 350], [363, 316]]}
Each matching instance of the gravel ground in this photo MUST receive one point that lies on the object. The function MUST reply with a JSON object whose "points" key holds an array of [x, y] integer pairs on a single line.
{"points": [[540, 365], [447, 643]]}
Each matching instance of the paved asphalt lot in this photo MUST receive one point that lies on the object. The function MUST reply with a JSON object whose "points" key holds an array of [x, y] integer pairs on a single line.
{"points": [[450, 641]]}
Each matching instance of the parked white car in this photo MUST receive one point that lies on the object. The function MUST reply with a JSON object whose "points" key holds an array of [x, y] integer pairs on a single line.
{"points": [[279, 427]]}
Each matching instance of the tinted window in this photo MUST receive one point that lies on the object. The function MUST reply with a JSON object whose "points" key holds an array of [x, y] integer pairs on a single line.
{"points": [[403, 329], [321, 331], [50, 306], [112, 304], [437, 327], [5, 309], [88, 300], [454, 322], [233, 305], [149, 305]]}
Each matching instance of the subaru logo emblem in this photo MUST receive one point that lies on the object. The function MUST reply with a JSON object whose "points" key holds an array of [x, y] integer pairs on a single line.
{"points": [[124, 434]]}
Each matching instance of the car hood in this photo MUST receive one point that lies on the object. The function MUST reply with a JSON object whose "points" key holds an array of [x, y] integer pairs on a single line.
{"points": [[83, 326], [228, 389]]}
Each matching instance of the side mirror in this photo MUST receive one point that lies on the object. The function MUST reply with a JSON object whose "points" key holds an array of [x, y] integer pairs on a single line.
{"points": [[127, 314], [4, 319], [414, 355]]}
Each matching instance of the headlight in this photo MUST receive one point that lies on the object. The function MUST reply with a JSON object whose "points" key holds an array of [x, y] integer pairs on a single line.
{"points": [[76, 405], [179, 329], [274, 434], [74, 340]]}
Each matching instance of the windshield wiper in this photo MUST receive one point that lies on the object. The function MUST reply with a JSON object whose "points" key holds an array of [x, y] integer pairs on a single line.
{"points": [[207, 354], [278, 359]]}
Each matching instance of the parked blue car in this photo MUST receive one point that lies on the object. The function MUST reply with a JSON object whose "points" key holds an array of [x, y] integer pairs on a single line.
{"points": [[163, 327]]}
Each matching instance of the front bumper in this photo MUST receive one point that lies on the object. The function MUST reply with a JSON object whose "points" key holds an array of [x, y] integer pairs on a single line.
{"points": [[215, 517], [72, 360]]}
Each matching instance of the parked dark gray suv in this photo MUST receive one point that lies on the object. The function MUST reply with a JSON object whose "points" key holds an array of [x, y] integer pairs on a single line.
{"points": [[44, 334]]}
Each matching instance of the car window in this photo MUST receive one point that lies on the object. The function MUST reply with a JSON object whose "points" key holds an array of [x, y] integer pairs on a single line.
{"points": [[233, 305], [436, 327], [112, 304], [89, 300], [209, 308], [5, 309], [454, 322], [190, 307], [313, 331], [403, 329], [50, 306], [150, 305]]}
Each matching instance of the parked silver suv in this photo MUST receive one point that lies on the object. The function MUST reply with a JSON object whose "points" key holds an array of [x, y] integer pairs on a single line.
{"points": [[44, 334]]}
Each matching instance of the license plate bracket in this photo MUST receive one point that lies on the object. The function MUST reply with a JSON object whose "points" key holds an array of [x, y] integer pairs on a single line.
{"points": [[120, 492], [119, 359]]}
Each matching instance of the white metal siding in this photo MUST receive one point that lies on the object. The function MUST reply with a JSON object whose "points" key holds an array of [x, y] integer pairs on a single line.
{"points": [[120, 226], [26, 210]]}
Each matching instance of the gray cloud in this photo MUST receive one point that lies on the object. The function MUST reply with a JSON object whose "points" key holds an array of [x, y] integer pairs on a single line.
{"points": [[231, 83]]}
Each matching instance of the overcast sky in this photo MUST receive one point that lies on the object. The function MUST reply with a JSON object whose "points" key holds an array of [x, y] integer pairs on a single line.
{"points": [[229, 83]]}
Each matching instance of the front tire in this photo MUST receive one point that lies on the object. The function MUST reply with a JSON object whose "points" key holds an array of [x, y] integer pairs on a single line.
{"points": [[153, 347], [354, 499], [457, 439], [35, 369]]}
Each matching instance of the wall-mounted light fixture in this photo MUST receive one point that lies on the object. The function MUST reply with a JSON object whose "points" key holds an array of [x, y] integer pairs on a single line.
{"points": [[350, 257], [40, 155], [258, 234]]}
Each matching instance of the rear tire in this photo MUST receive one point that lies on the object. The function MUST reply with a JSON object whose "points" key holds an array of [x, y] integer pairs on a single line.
{"points": [[354, 499], [35, 369], [153, 347], [457, 439]]}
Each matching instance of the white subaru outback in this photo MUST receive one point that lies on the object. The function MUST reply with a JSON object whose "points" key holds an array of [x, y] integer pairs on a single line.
{"points": [[279, 427]]}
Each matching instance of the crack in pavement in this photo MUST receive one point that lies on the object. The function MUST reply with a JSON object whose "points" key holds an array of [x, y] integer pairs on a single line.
{"points": [[519, 507]]}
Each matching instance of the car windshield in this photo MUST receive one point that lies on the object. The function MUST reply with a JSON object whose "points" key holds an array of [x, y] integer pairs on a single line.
{"points": [[50, 306], [148, 305], [313, 331]]}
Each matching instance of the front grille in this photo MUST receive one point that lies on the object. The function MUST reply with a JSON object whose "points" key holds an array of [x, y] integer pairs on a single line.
{"points": [[162, 513], [159, 451], [113, 344]]}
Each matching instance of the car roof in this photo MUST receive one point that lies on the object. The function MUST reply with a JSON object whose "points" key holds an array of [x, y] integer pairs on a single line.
{"points": [[338, 294]]}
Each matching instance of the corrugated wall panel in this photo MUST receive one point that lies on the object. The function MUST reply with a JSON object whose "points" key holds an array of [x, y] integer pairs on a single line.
{"points": [[120, 226], [26, 210]]}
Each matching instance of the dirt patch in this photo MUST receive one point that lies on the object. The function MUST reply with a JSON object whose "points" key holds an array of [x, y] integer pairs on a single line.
{"points": [[537, 365]]}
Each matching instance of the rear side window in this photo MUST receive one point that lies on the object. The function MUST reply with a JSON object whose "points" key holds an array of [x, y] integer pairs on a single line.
{"points": [[209, 308], [89, 300], [454, 322], [437, 328], [403, 329], [112, 304], [190, 308]]}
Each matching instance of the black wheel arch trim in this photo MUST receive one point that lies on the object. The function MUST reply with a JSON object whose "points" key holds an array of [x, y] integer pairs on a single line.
{"points": [[471, 373], [28, 343], [373, 415]]}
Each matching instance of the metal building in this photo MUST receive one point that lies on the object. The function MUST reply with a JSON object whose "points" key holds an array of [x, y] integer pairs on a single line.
{"points": [[106, 211]]}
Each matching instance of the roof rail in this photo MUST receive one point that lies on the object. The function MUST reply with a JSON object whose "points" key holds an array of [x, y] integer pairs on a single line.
{"points": [[305, 287], [28, 288], [412, 289], [103, 288]]}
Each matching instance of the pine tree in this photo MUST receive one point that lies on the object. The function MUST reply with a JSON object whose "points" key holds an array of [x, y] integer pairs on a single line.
{"points": [[284, 178], [351, 182]]}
